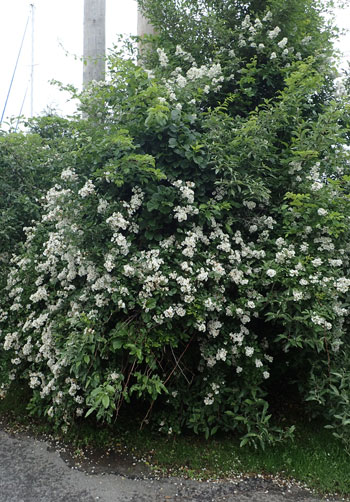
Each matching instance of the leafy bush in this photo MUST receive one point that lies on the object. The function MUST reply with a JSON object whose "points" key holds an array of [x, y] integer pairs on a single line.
{"points": [[29, 164], [21, 157], [191, 258], [252, 40]]}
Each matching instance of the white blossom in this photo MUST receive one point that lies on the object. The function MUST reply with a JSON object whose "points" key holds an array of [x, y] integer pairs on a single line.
{"points": [[208, 400], [163, 58], [258, 363], [271, 272], [221, 355], [117, 221], [88, 189], [282, 43], [297, 295], [316, 186], [268, 16], [317, 262], [68, 175], [274, 33], [102, 206]]}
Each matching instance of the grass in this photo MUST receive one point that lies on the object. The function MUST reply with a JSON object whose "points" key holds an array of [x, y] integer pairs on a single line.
{"points": [[314, 458]]}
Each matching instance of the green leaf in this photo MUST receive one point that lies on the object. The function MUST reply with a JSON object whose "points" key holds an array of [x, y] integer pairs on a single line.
{"points": [[243, 442], [117, 344], [105, 401], [229, 413], [88, 413]]}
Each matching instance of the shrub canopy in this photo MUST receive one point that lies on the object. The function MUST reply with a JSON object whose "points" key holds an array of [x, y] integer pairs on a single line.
{"points": [[194, 255]]}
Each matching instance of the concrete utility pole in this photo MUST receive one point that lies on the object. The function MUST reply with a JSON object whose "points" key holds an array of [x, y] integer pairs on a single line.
{"points": [[94, 40], [143, 25]]}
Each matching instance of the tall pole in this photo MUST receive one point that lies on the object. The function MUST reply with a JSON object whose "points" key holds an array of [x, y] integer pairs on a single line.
{"points": [[94, 40], [144, 27], [32, 68], [14, 71]]}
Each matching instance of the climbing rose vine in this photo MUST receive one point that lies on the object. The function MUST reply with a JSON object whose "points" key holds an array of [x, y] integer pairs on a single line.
{"points": [[201, 261]]}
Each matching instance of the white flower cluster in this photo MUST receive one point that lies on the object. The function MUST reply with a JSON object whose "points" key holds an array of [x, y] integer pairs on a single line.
{"points": [[212, 281], [342, 284], [210, 397], [211, 77], [163, 58], [274, 33], [69, 175], [117, 221], [186, 56], [88, 189], [321, 321]]}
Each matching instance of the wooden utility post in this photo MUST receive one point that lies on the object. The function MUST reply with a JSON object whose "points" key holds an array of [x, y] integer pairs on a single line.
{"points": [[94, 40]]}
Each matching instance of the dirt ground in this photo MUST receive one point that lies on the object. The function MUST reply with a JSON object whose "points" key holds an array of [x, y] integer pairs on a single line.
{"points": [[33, 470]]}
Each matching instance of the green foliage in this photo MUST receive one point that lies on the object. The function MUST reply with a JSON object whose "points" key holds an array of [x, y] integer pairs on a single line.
{"points": [[192, 256], [314, 457], [241, 36], [27, 168]]}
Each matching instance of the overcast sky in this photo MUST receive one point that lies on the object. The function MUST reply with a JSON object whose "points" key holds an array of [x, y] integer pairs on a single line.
{"points": [[59, 29]]}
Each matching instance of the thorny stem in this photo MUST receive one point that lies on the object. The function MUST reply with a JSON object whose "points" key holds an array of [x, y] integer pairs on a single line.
{"points": [[328, 355], [177, 361], [147, 414], [178, 365], [121, 397]]}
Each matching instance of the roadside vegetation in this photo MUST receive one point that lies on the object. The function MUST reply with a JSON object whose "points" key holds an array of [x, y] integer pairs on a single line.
{"points": [[313, 459], [180, 247]]}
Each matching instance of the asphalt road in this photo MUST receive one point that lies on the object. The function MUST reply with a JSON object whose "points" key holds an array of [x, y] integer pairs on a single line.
{"points": [[33, 471]]}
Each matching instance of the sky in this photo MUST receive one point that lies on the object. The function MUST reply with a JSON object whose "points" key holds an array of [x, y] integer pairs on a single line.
{"points": [[58, 31]]}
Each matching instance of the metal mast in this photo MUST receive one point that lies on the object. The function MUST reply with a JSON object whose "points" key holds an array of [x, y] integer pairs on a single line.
{"points": [[94, 40], [14, 71], [32, 68]]}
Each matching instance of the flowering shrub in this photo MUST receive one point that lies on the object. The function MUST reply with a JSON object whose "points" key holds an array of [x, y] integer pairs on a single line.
{"points": [[29, 164], [194, 259], [25, 172], [253, 43]]}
